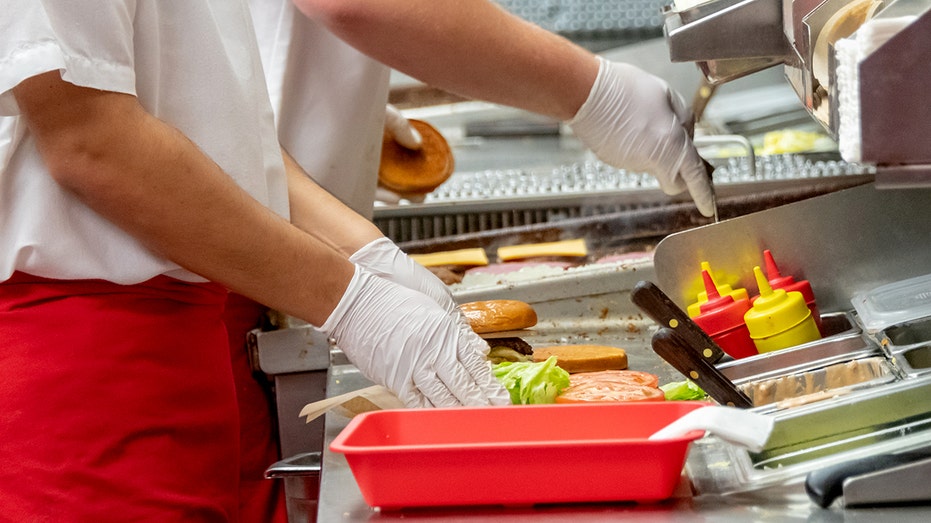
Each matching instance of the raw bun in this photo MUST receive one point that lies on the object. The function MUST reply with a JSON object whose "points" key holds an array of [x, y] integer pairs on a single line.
{"points": [[420, 171], [499, 315], [583, 358]]}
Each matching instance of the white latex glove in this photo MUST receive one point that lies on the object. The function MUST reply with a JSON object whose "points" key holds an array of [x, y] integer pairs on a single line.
{"points": [[406, 136], [402, 339], [383, 258], [398, 127], [635, 121]]}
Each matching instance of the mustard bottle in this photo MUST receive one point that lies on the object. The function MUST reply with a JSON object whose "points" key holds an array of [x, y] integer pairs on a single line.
{"points": [[723, 289], [779, 319]]}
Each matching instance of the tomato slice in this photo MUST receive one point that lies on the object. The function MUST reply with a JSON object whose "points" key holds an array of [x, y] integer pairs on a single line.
{"points": [[619, 376], [609, 391]]}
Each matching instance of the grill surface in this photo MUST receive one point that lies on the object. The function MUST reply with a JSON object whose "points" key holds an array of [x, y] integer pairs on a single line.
{"points": [[495, 199]]}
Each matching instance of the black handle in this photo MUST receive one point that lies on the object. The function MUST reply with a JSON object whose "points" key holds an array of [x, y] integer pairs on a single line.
{"points": [[670, 346], [657, 305], [826, 485]]}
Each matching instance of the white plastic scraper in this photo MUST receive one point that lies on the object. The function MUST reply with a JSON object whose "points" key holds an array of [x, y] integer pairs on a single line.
{"points": [[740, 427]]}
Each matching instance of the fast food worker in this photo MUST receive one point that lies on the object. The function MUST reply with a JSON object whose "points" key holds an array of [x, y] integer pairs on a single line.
{"points": [[327, 74], [142, 180]]}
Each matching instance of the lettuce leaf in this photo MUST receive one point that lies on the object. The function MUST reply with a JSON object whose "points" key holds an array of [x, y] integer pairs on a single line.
{"points": [[683, 390], [532, 383]]}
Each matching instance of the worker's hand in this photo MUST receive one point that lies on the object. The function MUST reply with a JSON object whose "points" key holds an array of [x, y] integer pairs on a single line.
{"points": [[402, 131], [383, 258], [635, 121], [402, 339], [397, 126]]}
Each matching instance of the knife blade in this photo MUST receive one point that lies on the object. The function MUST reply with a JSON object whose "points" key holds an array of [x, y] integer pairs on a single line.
{"points": [[674, 350], [657, 305], [709, 169]]}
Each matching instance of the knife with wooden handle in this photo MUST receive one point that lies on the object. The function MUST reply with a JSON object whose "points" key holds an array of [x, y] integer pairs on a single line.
{"points": [[672, 348], [657, 305]]}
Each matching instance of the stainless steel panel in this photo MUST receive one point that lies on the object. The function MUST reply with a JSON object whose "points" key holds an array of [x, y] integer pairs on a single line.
{"points": [[844, 242]]}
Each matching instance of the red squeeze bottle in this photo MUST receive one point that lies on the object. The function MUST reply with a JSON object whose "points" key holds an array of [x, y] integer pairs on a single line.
{"points": [[788, 283], [722, 318]]}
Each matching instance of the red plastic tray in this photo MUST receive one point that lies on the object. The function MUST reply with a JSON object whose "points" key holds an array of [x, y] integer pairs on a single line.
{"points": [[515, 455]]}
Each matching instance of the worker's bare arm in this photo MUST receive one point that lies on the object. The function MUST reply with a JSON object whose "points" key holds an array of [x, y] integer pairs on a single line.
{"points": [[470, 47], [322, 215], [150, 180]]}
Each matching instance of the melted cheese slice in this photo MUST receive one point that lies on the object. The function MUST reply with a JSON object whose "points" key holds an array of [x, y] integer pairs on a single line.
{"points": [[467, 257], [533, 250]]}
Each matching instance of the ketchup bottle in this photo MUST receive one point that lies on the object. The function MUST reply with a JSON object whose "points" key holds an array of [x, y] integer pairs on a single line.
{"points": [[788, 283], [779, 319], [724, 289], [722, 318]]}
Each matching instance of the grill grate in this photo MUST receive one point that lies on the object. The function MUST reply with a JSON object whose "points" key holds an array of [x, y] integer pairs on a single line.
{"points": [[488, 200]]}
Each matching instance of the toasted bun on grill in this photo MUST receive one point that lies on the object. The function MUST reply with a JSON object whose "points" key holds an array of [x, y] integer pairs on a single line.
{"points": [[407, 171], [499, 315], [583, 358]]}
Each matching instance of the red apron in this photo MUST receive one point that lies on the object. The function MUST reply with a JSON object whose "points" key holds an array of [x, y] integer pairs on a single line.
{"points": [[116, 402], [260, 500]]}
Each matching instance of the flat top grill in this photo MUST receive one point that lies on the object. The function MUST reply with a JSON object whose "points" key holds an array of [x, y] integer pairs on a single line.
{"points": [[471, 202]]}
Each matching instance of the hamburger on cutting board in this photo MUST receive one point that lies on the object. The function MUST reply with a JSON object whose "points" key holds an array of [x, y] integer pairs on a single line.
{"points": [[501, 323]]}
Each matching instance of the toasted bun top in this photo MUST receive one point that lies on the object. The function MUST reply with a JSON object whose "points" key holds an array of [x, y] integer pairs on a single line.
{"points": [[407, 171], [583, 358], [499, 315]]}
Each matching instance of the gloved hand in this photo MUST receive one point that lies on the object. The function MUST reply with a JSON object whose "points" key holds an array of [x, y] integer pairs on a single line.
{"points": [[402, 339], [401, 130], [383, 258], [634, 120]]}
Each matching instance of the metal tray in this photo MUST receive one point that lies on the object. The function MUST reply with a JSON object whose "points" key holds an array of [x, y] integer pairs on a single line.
{"points": [[914, 361], [890, 417], [843, 343]]}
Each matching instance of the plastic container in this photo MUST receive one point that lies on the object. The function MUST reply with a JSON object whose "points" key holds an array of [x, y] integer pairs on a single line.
{"points": [[894, 303], [779, 319], [722, 318], [516, 455], [724, 289], [789, 283]]}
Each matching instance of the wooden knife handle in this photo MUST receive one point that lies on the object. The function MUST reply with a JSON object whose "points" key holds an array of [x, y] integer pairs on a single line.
{"points": [[669, 346], [657, 305]]}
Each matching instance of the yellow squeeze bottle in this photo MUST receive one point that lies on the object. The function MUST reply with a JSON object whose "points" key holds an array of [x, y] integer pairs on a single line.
{"points": [[724, 289], [779, 319]]}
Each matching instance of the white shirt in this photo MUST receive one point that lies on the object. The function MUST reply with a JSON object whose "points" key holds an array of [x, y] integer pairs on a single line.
{"points": [[193, 64], [329, 101]]}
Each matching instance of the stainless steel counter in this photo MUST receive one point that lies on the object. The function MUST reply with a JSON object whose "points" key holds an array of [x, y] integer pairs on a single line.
{"points": [[340, 499], [588, 307]]}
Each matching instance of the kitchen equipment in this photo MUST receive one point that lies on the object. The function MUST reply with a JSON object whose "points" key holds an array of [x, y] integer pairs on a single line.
{"points": [[477, 456], [779, 319], [671, 347], [709, 169], [875, 480], [740, 427], [657, 305], [550, 196], [894, 303], [845, 59]]}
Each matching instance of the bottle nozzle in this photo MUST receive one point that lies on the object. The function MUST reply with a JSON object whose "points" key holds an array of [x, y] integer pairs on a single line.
{"points": [[762, 282], [710, 287], [772, 270]]}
